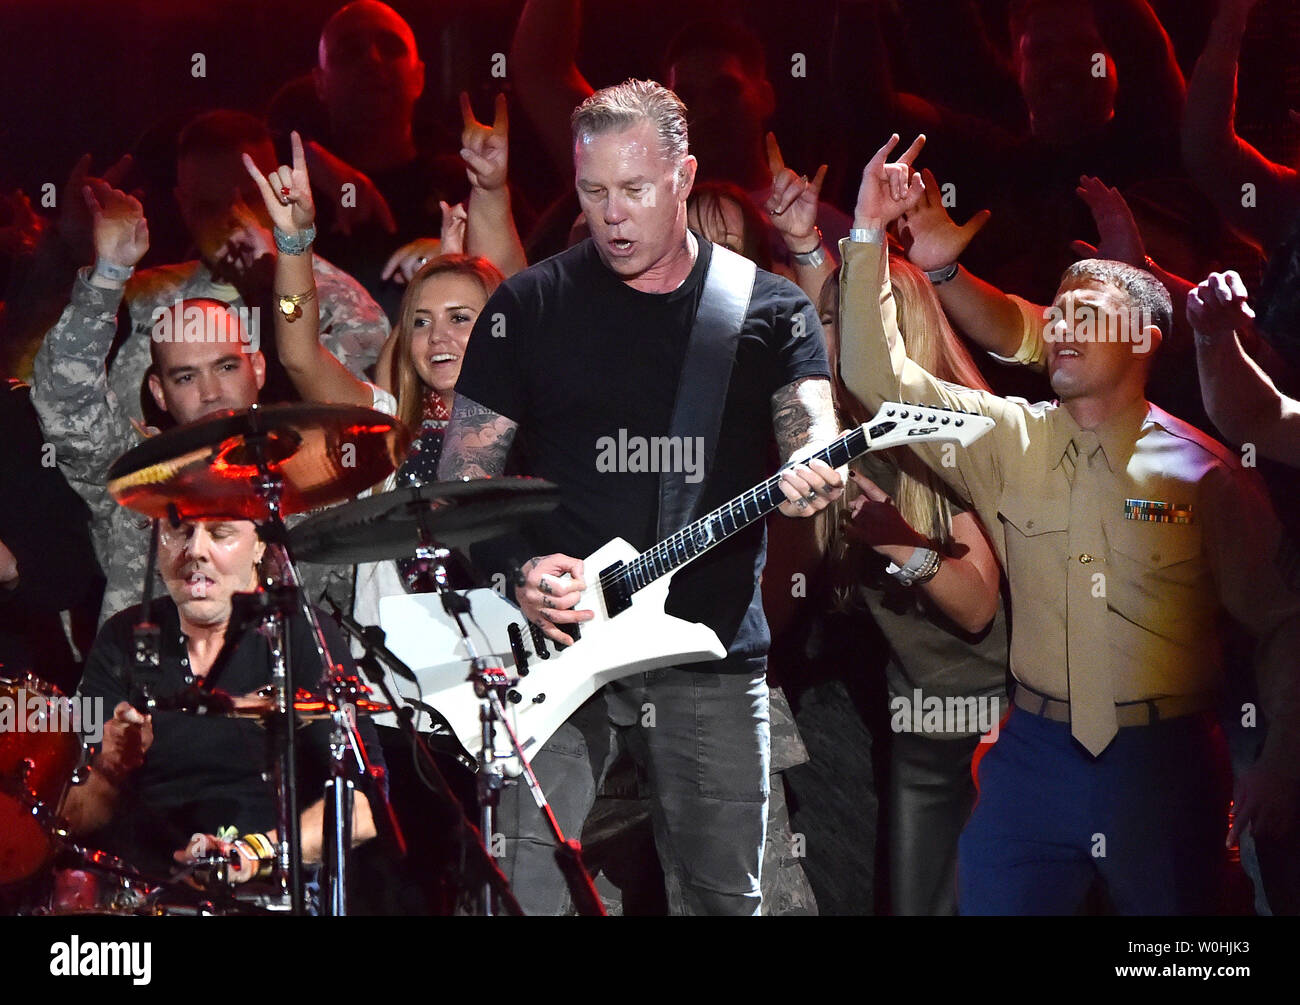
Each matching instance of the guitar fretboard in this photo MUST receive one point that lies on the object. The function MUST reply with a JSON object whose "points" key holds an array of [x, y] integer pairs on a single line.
{"points": [[693, 540]]}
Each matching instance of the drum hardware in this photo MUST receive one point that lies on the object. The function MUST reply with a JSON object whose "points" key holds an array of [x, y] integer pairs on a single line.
{"points": [[376, 653], [491, 684], [422, 520], [35, 769], [262, 464]]}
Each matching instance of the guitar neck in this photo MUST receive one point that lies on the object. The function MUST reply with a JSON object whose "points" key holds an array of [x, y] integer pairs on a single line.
{"points": [[731, 517]]}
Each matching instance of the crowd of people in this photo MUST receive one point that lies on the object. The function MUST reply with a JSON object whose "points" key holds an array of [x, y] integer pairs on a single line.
{"points": [[1105, 588]]}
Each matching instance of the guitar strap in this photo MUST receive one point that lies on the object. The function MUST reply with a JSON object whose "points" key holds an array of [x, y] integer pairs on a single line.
{"points": [[706, 374]]}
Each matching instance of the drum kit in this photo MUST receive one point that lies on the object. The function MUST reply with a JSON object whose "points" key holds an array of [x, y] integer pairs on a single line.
{"points": [[264, 464]]}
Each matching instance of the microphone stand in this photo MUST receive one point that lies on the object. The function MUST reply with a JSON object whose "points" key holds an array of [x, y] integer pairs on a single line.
{"points": [[468, 835], [491, 684]]}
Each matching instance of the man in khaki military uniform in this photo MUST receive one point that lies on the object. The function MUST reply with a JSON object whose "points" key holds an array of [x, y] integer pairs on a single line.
{"points": [[1125, 534]]}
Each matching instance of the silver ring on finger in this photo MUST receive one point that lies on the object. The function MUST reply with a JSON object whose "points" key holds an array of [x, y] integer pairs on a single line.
{"points": [[421, 260], [811, 496]]}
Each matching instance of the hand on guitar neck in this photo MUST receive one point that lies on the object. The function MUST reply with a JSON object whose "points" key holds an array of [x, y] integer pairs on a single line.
{"points": [[551, 586]]}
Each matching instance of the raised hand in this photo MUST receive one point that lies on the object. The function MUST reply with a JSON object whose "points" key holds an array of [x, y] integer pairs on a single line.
{"points": [[1118, 236], [888, 190], [455, 224], [331, 174], [76, 223], [247, 246], [485, 149], [930, 237], [120, 233], [793, 202], [407, 260], [286, 190], [1218, 307]]}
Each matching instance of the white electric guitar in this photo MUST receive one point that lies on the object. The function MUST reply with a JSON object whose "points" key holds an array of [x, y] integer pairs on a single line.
{"points": [[626, 591]]}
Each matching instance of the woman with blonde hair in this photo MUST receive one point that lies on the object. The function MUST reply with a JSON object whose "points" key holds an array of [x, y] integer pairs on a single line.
{"points": [[910, 552]]}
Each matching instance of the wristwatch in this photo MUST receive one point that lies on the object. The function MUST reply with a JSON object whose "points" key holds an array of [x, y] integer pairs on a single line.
{"points": [[112, 271]]}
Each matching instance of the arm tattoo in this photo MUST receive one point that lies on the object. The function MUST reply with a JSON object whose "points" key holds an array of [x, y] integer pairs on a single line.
{"points": [[476, 441], [803, 412]]}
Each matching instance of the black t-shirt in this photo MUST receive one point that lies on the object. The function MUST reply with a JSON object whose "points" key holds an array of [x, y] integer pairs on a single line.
{"points": [[204, 773], [589, 367]]}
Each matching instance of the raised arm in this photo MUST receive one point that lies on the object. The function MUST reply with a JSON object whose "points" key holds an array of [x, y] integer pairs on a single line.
{"points": [[79, 413], [314, 370], [491, 230], [873, 361], [1219, 160], [543, 64], [934, 242], [1239, 397], [476, 442], [792, 208]]}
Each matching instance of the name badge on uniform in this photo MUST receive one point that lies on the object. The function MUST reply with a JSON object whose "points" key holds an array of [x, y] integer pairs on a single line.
{"points": [[1154, 511]]}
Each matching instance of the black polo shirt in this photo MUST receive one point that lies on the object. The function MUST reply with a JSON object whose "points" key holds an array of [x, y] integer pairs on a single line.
{"points": [[204, 773]]}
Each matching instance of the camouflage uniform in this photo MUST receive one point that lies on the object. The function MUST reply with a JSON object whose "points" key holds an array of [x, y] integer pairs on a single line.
{"points": [[89, 427], [352, 325], [88, 420]]}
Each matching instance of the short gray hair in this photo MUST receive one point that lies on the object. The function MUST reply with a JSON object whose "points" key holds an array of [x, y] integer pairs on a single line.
{"points": [[613, 109]]}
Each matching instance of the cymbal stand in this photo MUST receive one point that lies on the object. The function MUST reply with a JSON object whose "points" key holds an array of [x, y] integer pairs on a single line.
{"points": [[480, 858], [491, 684], [337, 830]]}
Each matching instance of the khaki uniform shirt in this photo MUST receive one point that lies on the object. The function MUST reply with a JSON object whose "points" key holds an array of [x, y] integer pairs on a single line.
{"points": [[1188, 533]]}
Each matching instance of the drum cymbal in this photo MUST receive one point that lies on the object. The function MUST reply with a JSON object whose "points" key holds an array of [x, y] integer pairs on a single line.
{"points": [[208, 469], [388, 525]]}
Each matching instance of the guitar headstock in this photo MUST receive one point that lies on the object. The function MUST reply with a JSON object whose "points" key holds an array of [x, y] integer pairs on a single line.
{"points": [[897, 424]]}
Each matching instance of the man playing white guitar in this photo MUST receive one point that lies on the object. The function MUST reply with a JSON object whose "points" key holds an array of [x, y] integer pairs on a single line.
{"points": [[585, 356]]}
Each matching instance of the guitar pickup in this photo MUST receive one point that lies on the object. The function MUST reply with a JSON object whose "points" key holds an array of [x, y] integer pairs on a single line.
{"points": [[517, 649], [539, 641], [614, 589]]}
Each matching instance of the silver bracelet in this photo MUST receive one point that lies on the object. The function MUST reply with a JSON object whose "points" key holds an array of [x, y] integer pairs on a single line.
{"points": [[812, 258], [940, 276], [294, 244], [920, 567], [867, 235]]}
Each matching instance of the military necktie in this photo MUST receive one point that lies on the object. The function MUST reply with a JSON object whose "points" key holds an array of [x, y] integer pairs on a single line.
{"points": [[1092, 696]]}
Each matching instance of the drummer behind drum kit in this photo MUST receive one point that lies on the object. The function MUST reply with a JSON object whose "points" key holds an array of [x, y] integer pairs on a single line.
{"points": [[500, 697]]}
